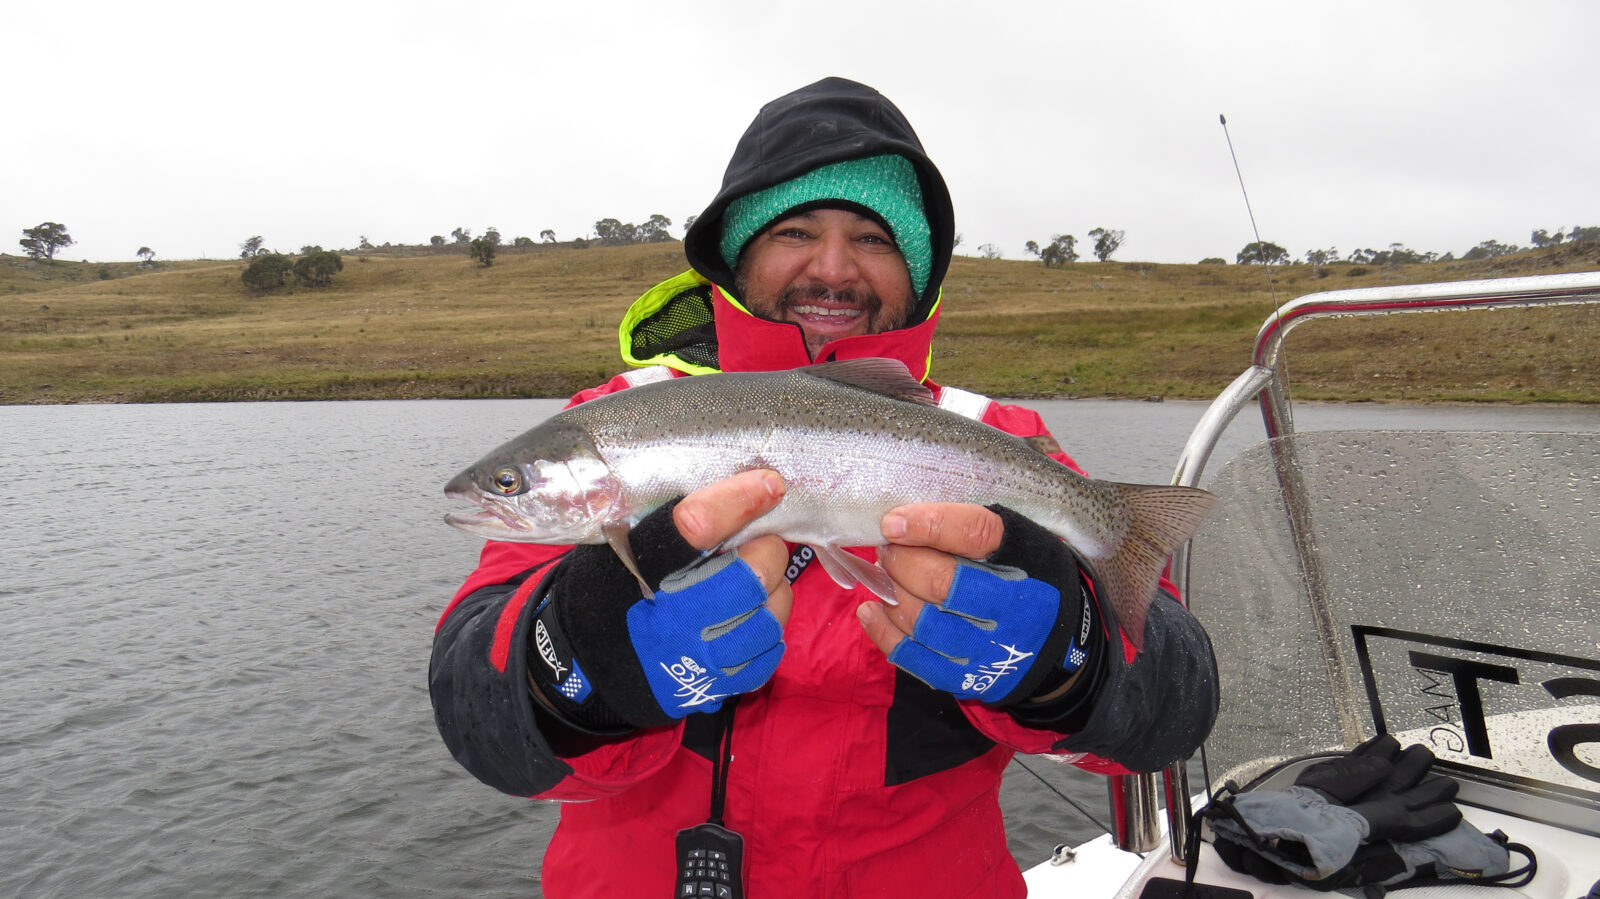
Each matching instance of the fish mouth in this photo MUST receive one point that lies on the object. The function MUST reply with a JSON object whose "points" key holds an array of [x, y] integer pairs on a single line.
{"points": [[486, 520], [492, 525], [476, 522]]}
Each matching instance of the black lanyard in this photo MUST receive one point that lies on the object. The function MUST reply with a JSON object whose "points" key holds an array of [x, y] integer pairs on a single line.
{"points": [[710, 856]]}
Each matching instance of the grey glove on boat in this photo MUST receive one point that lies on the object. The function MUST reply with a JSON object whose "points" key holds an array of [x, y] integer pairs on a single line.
{"points": [[1372, 818]]}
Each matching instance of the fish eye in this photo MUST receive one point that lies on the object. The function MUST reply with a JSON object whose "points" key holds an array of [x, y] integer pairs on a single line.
{"points": [[506, 481]]}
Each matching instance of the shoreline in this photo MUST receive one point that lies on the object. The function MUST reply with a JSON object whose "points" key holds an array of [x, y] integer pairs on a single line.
{"points": [[543, 324]]}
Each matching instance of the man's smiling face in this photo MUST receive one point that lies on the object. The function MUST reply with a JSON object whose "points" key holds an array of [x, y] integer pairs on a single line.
{"points": [[834, 272]]}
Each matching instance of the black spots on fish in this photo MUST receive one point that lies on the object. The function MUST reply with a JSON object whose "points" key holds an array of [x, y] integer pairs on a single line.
{"points": [[565, 439]]}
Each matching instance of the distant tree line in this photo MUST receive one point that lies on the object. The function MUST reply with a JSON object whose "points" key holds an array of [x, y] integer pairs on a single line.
{"points": [[1063, 248], [614, 233], [1263, 253], [48, 238]]}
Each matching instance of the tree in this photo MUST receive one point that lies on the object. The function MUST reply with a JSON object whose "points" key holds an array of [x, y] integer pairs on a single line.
{"points": [[1400, 254], [1541, 238], [492, 235], [1213, 260], [990, 251], [547, 236], [461, 235], [267, 272], [317, 268], [1062, 250], [522, 242], [654, 230], [251, 247], [436, 240], [482, 250], [1583, 234], [1105, 242], [365, 244], [43, 242], [1490, 249], [147, 257], [1262, 253], [612, 231], [1322, 257], [688, 223]]}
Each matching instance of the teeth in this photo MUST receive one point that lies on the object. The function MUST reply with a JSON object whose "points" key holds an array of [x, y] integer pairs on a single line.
{"points": [[823, 310]]}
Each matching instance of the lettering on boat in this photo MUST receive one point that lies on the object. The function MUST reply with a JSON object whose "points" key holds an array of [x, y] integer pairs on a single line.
{"points": [[1522, 713]]}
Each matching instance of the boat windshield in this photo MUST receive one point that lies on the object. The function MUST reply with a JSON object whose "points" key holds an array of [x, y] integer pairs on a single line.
{"points": [[1450, 594]]}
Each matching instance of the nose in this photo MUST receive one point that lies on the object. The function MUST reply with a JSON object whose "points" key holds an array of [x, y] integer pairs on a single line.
{"points": [[833, 261]]}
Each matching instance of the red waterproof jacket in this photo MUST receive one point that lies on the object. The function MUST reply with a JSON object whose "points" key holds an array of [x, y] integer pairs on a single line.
{"points": [[849, 777]]}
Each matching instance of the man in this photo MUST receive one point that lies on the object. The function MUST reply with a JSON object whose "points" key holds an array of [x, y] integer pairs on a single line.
{"points": [[855, 747]]}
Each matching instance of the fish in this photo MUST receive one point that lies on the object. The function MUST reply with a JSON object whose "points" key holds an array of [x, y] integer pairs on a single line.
{"points": [[852, 440]]}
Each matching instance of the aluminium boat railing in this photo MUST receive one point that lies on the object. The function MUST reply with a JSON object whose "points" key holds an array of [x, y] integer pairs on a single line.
{"points": [[1133, 798]]}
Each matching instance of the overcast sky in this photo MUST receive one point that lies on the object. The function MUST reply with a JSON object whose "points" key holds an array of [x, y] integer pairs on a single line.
{"points": [[190, 127]]}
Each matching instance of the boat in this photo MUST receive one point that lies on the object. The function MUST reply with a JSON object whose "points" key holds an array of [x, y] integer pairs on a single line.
{"points": [[1440, 586]]}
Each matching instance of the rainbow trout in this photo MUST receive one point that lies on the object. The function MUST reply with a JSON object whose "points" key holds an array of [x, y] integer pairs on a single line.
{"points": [[852, 440]]}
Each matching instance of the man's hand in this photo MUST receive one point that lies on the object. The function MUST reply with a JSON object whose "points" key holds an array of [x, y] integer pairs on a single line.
{"points": [[980, 630], [715, 512], [713, 629]]}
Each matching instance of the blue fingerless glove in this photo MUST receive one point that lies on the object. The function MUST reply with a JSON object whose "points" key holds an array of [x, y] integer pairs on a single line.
{"points": [[1003, 635], [706, 636], [610, 660]]}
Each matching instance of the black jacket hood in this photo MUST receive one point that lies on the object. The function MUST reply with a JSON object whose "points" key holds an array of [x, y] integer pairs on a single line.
{"points": [[830, 121]]}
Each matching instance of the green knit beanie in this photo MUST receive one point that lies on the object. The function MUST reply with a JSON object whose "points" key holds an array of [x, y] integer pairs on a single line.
{"points": [[887, 185]]}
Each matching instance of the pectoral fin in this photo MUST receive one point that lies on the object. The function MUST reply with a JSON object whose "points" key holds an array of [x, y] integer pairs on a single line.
{"points": [[850, 570], [616, 535]]}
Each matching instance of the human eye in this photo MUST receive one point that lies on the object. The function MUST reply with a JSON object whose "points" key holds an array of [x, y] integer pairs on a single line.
{"points": [[876, 240], [788, 231]]}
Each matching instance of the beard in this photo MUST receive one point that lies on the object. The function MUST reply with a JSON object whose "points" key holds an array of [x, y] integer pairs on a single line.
{"points": [[778, 308]]}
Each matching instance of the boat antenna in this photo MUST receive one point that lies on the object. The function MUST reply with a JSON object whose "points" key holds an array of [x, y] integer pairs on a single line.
{"points": [[1271, 282]]}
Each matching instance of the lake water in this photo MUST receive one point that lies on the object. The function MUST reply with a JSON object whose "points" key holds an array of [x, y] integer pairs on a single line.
{"points": [[217, 621]]}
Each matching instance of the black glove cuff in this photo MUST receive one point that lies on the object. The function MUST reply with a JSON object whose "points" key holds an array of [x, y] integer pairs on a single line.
{"points": [[590, 593], [561, 681], [1076, 639], [1069, 712]]}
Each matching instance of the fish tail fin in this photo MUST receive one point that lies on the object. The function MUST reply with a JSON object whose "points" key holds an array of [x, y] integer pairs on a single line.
{"points": [[1159, 519]]}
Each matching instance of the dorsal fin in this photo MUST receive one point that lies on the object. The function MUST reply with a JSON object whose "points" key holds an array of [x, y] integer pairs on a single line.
{"points": [[889, 377]]}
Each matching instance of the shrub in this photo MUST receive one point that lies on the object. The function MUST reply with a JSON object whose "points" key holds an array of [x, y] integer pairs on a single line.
{"points": [[316, 269], [267, 272]]}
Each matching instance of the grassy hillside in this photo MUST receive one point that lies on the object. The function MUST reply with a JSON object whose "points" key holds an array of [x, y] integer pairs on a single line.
{"points": [[543, 323]]}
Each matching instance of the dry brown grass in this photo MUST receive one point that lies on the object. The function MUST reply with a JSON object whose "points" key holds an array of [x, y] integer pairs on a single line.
{"points": [[543, 323]]}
